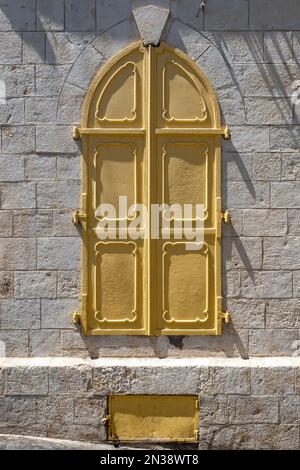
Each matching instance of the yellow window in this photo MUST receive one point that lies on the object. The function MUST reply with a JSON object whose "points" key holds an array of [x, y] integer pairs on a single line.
{"points": [[151, 135]]}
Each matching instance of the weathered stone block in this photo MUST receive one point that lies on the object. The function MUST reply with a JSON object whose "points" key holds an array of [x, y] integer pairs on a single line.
{"points": [[272, 342], [189, 12], [18, 139], [40, 110], [165, 381], [68, 284], [284, 139], [73, 344], [231, 381], [294, 222], [17, 15], [264, 222], [235, 228], [32, 284], [68, 167], [285, 194], [64, 48], [11, 168], [6, 223], [239, 194], [17, 253], [12, 111], [232, 284], [271, 15], [74, 381], [58, 253], [63, 225], [233, 16], [247, 139], [278, 47], [187, 39], [40, 167], [18, 80], [57, 411], [242, 252], [50, 80], [116, 38], [58, 313], [213, 410], [55, 139], [267, 381], [150, 19], [296, 283], [113, 380], [16, 342], [253, 409], [290, 167], [26, 381], [58, 194], [89, 411], [283, 313], [6, 285], [11, 48], [50, 15], [109, 13], [282, 253], [70, 103], [86, 66], [34, 47], [269, 110], [247, 313], [80, 16], [236, 166], [32, 223], [44, 343], [290, 409], [267, 284], [18, 195], [20, 314]]}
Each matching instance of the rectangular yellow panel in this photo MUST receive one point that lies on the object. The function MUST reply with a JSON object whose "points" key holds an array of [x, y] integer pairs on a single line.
{"points": [[153, 418]]}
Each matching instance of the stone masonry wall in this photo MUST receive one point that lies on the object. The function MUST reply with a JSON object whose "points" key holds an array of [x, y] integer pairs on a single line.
{"points": [[49, 52]]}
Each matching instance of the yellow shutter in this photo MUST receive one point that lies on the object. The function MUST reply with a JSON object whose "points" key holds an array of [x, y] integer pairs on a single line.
{"points": [[151, 132]]}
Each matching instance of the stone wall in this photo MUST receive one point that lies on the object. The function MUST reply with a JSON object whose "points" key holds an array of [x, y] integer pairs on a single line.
{"points": [[49, 52]]}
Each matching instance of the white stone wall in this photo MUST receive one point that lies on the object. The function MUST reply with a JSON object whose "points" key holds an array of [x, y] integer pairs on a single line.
{"points": [[49, 52]]}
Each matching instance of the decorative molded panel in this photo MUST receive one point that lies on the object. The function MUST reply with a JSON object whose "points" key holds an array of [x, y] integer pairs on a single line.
{"points": [[182, 95], [117, 101]]}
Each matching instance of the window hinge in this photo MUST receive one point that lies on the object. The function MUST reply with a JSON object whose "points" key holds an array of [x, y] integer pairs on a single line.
{"points": [[226, 134], [76, 133], [105, 419], [78, 217], [76, 318], [225, 216], [196, 434], [226, 316]]}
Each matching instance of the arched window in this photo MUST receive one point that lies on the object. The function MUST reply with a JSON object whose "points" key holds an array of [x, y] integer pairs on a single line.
{"points": [[151, 134]]}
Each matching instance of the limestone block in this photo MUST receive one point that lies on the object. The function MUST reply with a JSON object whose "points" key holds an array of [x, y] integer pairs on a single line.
{"points": [[11, 48], [294, 222], [26, 381], [40, 167], [44, 343], [58, 194], [267, 284], [50, 80], [239, 194], [115, 39], [150, 18], [283, 313], [20, 314], [296, 283], [12, 111], [18, 80], [64, 48], [32, 223], [266, 381], [32, 284], [272, 342], [58, 253], [271, 15], [63, 225], [241, 47], [73, 381], [281, 253], [247, 313], [232, 284], [70, 103], [85, 68], [18, 195], [290, 167], [58, 313], [68, 284], [50, 15], [16, 342], [285, 194], [213, 410], [18, 15], [285, 139], [230, 16], [242, 252], [17, 253], [40, 110], [89, 411], [113, 380], [187, 39], [231, 381], [264, 222], [278, 47], [109, 13], [290, 409], [6, 285], [68, 167], [18, 139], [79, 15], [247, 139], [189, 12], [55, 139], [269, 110], [11, 168], [34, 47], [236, 166], [253, 409]]}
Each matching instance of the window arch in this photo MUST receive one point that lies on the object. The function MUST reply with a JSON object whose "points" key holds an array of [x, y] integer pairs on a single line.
{"points": [[151, 131]]}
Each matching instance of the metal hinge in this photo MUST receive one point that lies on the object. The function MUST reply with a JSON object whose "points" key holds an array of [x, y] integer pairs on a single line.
{"points": [[105, 419], [196, 434], [76, 318], [226, 134], [76, 133], [226, 316], [225, 216], [78, 217]]}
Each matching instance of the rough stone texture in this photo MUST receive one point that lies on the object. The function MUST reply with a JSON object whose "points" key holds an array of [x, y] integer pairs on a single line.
{"points": [[249, 51], [150, 18]]}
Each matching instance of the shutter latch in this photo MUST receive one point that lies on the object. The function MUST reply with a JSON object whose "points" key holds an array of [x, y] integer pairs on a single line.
{"points": [[78, 217], [105, 419], [226, 316], [225, 215]]}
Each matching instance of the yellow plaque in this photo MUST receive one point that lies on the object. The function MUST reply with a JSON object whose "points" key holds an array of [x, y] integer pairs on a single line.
{"points": [[153, 418]]}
